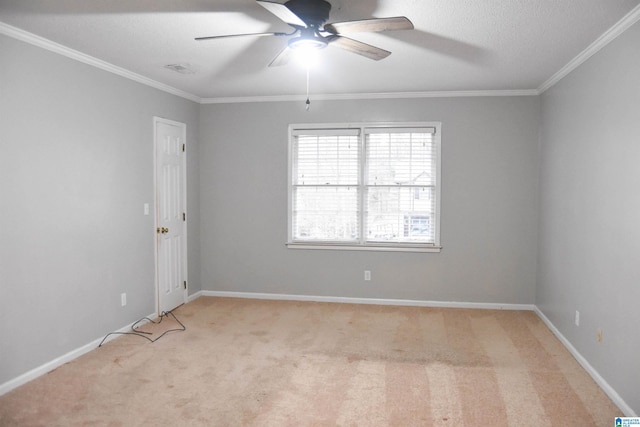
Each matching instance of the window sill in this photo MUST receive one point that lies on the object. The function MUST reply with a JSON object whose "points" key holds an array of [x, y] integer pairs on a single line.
{"points": [[379, 248]]}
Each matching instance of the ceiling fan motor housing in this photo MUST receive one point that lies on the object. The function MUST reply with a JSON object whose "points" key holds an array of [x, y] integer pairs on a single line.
{"points": [[313, 12]]}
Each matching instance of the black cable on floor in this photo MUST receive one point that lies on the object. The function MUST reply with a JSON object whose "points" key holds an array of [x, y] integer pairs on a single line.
{"points": [[143, 334]]}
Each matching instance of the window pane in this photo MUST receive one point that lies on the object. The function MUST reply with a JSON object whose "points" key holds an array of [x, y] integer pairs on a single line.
{"points": [[326, 160], [325, 213], [400, 159], [400, 214]]}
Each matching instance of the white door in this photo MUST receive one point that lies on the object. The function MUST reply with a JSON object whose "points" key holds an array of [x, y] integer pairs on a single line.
{"points": [[171, 225]]}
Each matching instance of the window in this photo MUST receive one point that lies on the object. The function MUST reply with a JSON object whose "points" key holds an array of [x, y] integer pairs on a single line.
{"points": [[364, 186]]}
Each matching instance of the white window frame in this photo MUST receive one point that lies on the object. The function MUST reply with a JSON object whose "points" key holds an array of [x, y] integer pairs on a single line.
{"points": [[363, 245]]}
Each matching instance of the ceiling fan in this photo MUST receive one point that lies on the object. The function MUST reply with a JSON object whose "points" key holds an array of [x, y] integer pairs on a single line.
{"points": [[308, 17]]}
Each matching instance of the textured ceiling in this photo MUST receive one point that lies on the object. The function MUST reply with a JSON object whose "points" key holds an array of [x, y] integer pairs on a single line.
{"points": [[457, 45]]}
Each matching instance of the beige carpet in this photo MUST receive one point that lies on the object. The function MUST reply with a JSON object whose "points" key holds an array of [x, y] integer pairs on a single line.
{"points": [[278, 363]]}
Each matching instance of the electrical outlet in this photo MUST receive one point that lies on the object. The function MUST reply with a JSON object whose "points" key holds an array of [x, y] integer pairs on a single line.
{"points": [[123, 299], [577, 318], [367, 275], [599, 335]]}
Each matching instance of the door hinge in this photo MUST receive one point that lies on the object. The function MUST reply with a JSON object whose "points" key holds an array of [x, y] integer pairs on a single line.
{"points": [[184, 216], [185, 284], [184, 147]]}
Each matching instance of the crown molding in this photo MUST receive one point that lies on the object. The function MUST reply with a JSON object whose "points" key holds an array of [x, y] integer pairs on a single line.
{"points": [[51, 46], [607, 37], [382, 95]]}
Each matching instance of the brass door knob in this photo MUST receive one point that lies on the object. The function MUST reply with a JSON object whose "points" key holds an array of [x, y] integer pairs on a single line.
{"points": [[162, 230]]}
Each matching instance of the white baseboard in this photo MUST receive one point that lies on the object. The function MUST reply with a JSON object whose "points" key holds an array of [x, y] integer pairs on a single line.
{"points": [[372, 301], [609, 391], [59, 361], [194, 296]]}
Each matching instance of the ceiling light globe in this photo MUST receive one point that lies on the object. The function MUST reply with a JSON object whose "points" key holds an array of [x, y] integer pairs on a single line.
{"points": [[305, 50]]}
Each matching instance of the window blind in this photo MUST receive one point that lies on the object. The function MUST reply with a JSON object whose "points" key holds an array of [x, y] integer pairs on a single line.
{"points": [[326, 189], [364, 185], [400, 184]]}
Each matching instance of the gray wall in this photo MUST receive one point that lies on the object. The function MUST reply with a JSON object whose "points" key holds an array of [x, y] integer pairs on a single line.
{"points": [[589, 247], [489, 203], [76, 167]]}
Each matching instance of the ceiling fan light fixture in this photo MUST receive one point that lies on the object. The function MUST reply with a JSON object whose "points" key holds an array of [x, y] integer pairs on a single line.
{"points": [[307, 43], [305, 49], [306, 56]]}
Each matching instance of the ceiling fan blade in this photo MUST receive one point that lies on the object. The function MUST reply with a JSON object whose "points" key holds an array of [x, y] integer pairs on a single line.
{"points": [[370, 25], [282, 12], [358, 47], [226, 36], [282, 58]]}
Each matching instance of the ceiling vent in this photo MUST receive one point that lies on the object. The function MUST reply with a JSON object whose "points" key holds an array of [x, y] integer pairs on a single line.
{"points": [[181, 68]]}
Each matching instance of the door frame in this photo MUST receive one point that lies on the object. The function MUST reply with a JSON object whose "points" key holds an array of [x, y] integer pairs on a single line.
{"points": [[185, 263]]}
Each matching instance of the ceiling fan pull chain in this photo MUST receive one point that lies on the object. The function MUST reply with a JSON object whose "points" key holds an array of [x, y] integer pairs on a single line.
{"points": [[308, 103]]}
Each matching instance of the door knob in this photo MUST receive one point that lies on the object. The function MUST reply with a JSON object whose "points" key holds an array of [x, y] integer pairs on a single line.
{"points": [[162, 230]]}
